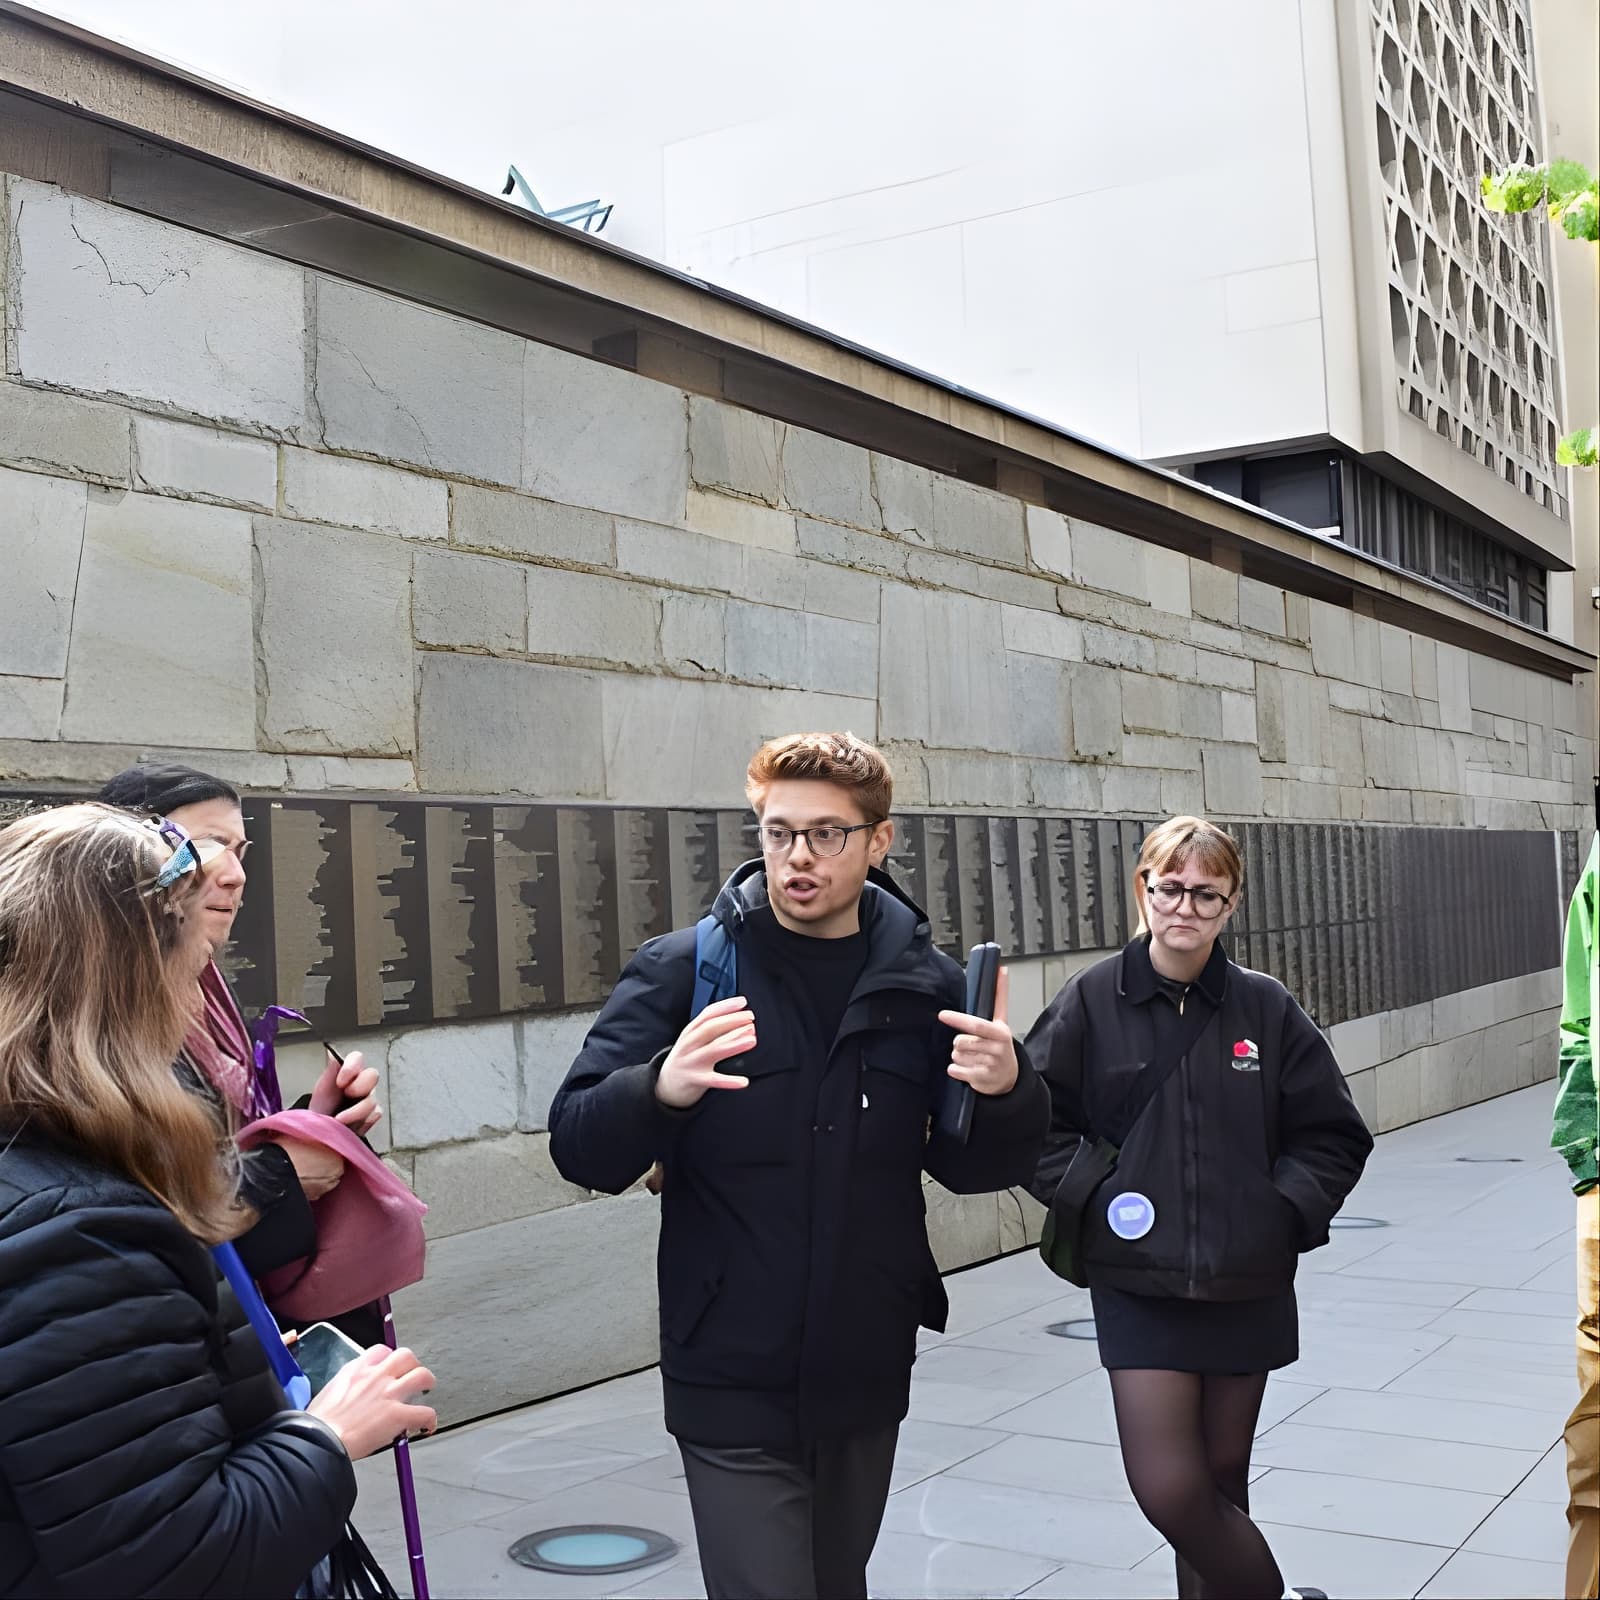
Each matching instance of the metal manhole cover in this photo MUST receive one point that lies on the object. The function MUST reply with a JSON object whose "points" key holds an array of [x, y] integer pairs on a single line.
{"points": [[1080, 1328], [592, 1548], [1358, 1222]]}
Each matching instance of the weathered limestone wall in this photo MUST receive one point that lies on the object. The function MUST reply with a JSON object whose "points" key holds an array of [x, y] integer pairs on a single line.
{"points": [[314, 537], [423, 553]]}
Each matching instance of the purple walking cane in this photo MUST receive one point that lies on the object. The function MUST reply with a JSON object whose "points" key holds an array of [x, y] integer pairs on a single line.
{"points": [[267, 1098]]}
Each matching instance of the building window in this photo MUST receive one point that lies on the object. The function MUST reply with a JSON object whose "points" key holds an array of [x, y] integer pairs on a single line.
{"points": [[1336, 496], [1402, 528]]}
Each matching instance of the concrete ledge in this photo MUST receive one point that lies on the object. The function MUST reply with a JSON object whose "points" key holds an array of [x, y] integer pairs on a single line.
{"points": [[490, 1181]]}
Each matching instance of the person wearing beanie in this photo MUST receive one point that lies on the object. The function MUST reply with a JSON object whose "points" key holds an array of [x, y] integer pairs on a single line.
{"points": [[281, 1177]]}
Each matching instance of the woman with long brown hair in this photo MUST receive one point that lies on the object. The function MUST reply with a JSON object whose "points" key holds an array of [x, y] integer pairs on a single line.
{"points": [[1232, 1143], [144, 1446]]}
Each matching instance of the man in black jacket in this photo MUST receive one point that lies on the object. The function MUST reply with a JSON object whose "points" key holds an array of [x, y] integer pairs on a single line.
{"points": [[794, 1265]]}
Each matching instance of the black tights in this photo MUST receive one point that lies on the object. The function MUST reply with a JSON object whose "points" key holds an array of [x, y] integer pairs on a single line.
{"points": [[1186, 1441]]}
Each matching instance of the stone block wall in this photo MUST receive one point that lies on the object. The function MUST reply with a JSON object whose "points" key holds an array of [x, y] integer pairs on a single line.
{"points": [[423, 553], [314, 537]]}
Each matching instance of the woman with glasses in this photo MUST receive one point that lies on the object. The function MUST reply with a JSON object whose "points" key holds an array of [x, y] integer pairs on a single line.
{"points": [[1237, 1143], [281, 1177], [145, 1448]]}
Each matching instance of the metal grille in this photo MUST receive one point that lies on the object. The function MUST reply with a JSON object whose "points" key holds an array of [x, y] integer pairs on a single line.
{"points": [[381, 913]]}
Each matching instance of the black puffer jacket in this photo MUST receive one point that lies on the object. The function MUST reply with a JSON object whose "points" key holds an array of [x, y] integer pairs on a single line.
{"points": [[145, 1448], [1246, 1153], [794, 1265]]}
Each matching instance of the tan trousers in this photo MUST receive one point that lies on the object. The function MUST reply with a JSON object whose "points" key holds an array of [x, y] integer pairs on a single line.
{"points": [[1583, 1426]]}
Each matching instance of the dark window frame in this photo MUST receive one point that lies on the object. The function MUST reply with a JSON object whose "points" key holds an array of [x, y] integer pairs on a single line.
{"points": [[1374, 514]]}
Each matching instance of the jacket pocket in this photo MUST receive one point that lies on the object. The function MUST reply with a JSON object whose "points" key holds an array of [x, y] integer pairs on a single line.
{"points": [[735, 1321], [685, 1308], [1255, 1231], [896, 1097], [758, 1125]]}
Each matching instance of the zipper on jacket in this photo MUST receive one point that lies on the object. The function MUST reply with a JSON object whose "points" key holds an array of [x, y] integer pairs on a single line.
{"points": [[1191, 1165]]}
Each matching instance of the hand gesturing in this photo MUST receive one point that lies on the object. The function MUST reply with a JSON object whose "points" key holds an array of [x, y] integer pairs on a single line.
{"points": [[985, 1054], [725, 1029]]}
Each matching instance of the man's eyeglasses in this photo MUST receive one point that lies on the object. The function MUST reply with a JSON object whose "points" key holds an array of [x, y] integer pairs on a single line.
{"points": [[827, 840], [1207, 904]]}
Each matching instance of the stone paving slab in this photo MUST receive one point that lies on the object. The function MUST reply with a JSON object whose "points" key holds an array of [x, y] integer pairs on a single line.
{"points": [[1414, 1450]]}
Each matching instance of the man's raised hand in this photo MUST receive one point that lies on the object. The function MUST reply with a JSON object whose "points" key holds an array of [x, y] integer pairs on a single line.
{"points": [[725, 1029], [985, 1053]]}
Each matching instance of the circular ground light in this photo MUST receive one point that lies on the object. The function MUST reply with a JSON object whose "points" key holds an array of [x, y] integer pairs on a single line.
{"points": [[1082, 1328], [593, 1549], [1358, 1222], [1487, 1160]]}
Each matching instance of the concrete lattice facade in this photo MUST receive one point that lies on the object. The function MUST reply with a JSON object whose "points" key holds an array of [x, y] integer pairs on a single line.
{"points": [[1469, 291]]}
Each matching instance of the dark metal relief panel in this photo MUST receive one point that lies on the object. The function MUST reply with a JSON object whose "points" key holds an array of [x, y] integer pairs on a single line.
{"points": [[371, 913], [527, 908]]}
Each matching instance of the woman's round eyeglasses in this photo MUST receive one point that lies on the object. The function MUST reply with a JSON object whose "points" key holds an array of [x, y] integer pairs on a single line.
{"points": [[1207, 904]]}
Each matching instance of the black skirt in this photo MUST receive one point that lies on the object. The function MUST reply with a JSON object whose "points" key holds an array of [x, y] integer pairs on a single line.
{"points": [[1221, 1337]]}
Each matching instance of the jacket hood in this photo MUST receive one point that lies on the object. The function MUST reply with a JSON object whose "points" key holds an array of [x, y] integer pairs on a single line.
{"points": [[899, 934]]}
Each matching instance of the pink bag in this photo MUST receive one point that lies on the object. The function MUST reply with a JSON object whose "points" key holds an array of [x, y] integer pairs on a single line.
{"points": [[369, 1228]]}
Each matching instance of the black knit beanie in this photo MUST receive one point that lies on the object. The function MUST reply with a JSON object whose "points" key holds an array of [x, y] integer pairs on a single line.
{"points": [[163, 786]]}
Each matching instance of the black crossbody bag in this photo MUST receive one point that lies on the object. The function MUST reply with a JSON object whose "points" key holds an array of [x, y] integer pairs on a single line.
{"points": [[1095, 1159]]}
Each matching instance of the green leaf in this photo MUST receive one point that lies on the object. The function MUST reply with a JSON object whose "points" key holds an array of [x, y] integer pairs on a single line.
{"points": [[1515, 189], [1580, 449], [1580, 217], [1568, 178]]}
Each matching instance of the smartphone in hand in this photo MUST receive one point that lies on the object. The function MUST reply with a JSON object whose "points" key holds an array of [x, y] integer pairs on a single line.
{"points": [[983, 975], [322, 1351]]}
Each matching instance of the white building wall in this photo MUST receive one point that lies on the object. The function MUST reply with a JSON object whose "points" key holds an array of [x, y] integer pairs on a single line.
{"points": [[1101, 214]]}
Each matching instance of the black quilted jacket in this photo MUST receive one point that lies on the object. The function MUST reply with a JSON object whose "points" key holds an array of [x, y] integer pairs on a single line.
{"points": [[145, 1448]]}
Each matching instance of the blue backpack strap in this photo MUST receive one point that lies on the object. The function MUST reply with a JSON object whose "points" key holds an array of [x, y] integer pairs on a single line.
{"points": [[716, 965], [284, 1366]]}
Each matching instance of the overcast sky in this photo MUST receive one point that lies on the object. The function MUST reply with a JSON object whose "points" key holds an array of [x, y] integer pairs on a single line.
{"points": [[470, 86], [930, 179]]}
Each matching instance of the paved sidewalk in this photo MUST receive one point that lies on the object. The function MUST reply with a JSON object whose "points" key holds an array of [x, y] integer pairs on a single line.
{"points": [[1413, 1450]]}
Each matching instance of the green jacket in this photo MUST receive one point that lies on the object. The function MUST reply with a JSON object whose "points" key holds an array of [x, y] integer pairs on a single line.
{"points": [[1576, 1116]]}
